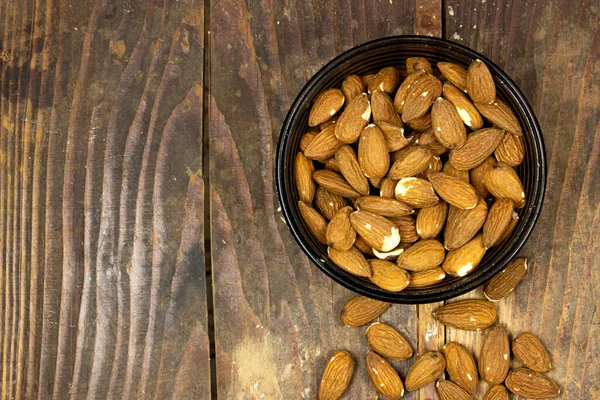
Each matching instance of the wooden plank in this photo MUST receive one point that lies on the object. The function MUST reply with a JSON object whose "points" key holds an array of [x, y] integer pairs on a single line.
{"points": [[551, 50]]}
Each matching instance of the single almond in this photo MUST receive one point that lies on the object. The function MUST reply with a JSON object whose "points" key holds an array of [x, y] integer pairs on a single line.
{"points": [[339, 233], [461, 366], [505, 282], [447, 125], [306, 139], [423, 255], [500, 114], [388, 276], [455, 74], [383, 109], [511, 150], [330, 122], [328, 203], [402, 153], [414, 64], [335, 183], [498, 219], [430, 220], [494, 361], [421, 124], [420, 98], [383, 206], [367, 79], [465, 108], [360, 310], [416, 192], [532, 353], [463, 225], [379, 232], [429, 140], [391, 255], [478, 173], [336, 376], [331, 164], [347, 161], [407, 227], [388, 342], [315, 222], [451, 170], [351, 261], [352, 86], [497, 392], [415, 161], [386, 80], [373, 156], [404, 89], [394, 136], [383, 376], [325, 106], [511, 226], [455, 191], [354, 119], [524, 382], [478, 147], [465, 259], [468, 315], [303, 170], [363, 246], [324, 145], [387, 188], [426, 278], [426, 368], [447, 390], [503, 182], [435, 165], [480, 83]]}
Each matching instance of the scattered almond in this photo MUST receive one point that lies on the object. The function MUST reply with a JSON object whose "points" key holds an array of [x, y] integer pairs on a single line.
{"points": [[447, 390], [497, 392], [360, 310], [461, 366], [468, 315], [494, 360], [527, 383], [505, 282], [426, 368], [532, 353], [383, 376], [336, 376], [388, 342]]}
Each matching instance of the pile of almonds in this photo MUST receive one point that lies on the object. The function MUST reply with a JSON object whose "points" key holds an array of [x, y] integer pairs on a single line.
{"points": [[388, 164], [455, 359]]}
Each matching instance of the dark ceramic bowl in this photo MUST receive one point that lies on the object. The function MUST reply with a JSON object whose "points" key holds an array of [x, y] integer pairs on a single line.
{"points": [[369, 58]]}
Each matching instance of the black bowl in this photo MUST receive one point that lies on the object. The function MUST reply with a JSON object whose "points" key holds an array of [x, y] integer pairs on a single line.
{"points": [[369, 58]]}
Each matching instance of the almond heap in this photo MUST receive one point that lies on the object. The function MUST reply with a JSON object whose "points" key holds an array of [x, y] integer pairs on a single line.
{"points": [[418, 173]]}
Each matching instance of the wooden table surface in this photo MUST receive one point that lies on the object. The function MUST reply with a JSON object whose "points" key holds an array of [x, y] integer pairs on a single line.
{"points": [[142, 248]]}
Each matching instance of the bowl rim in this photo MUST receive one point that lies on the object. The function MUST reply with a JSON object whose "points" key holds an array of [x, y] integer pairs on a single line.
{"points": [[467, 283]]}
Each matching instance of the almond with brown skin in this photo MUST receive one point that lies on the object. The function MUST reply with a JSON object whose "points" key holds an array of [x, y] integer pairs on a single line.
{"points": [[455, 191], [413, 163], [511, 150], [354, 119], [329, 122], [336, 376], [386, 80], [511, 226], [328, 203], [339, 233], [414, 64], [463, 225], [447, 390], [351, 261], [532, 353], [388, 342], [331, 164], [494, 361], [347, 161], [367, 79], [315, 222], [421, 124], [388, 276], [402, 153], [430, 220], [303, 170], [447, 125], [421, 97], [335, 183], [416, 192], [480, 83], [373, 156], [477, 174], [408, 230], [306, 139], [363, 246], [387, 188], [426, 278], [325, 106], [497, 221], [383, 109], [394, 136], [455, 74], [461, 366], [497, 392], [383, 376], [383, 206], [468, 315], [435, 165], [324, 145], [428, 140], [352, 86], [423, 255], [479, 146], [524, 382], [503, 182], [465, 108], [500, 114], [360, 310], [451, 170], [375, 182], [379, 232], [426, 368], [405, 87], [465, 259], [505, 282]]}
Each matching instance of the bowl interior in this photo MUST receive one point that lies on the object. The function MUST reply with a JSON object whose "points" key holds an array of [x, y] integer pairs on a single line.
{"points": [[369, 58]]}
